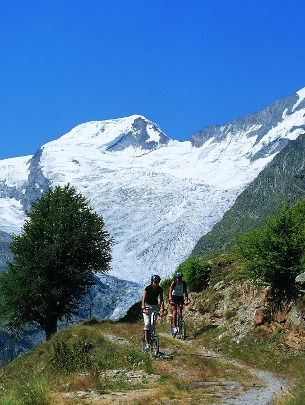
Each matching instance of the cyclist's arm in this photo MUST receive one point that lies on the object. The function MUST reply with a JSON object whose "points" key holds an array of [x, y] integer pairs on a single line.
{"points": [[171, 292], [161, 301], [186, 293], [143, 300]]}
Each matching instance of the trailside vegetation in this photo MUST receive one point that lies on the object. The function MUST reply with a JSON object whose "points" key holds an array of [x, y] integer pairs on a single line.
{"points": [[196, 273], [275, 254], [62, 244]]}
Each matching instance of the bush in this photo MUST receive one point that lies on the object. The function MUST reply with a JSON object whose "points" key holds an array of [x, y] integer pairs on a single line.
{"points": [[196, 272], [75, 358], [274, 255], [165, 284]]}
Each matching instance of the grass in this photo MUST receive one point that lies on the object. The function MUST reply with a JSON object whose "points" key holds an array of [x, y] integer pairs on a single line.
{"points": [[106, 357], [32, 391], [76, 358]]}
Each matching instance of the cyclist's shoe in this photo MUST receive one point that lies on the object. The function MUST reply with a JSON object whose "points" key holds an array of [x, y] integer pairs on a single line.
{"points": [[147, 346], [174, 331]]}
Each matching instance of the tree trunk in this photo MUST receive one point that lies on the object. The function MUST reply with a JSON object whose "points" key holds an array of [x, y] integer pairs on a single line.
{"points": [[50, 326]]}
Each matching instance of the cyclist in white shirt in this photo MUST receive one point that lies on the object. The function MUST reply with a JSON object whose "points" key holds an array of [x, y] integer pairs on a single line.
{"points": [[178, 296]]}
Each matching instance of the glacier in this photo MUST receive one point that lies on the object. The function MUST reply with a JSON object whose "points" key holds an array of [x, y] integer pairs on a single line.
{"points": [[158, 196]]}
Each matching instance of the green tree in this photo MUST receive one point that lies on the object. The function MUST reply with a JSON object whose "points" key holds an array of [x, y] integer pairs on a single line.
{"points": [[62, 244], [196, 272], [275, 254]]}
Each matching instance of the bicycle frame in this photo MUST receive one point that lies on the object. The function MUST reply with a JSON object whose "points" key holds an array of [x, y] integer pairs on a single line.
{"points": [[153, 338], [181, 333]]}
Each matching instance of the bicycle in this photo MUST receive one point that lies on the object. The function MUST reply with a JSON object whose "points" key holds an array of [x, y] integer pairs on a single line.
{"points": [[153, 344], [181, 332]]}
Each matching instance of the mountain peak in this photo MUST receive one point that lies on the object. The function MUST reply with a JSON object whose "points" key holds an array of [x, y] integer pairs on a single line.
{"points": [[117, 134], [141, 134]]}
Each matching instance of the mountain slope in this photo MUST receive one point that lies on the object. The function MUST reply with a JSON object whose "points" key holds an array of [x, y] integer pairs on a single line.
{"points": [[283, 180]]}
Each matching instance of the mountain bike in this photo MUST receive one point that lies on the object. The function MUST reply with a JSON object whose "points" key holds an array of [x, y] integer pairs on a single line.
{"points": [[153, 344], [181, 332]]}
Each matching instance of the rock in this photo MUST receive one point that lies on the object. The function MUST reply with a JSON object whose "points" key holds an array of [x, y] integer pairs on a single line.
{"points": [[261, 316], [218, 285]]}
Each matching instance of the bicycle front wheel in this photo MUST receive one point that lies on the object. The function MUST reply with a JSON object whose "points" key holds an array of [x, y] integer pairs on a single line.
{"points": [[143, 344], [155, 346]]}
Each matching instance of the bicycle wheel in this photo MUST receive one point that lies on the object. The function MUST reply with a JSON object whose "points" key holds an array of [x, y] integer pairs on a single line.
{"points": [[182, 330], [154, 346], [143, 344]]}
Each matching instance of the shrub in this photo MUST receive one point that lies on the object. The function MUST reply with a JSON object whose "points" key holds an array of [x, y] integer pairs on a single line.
{"points": [[274, 255], [165, 284], [69, 359], [196, 272]]}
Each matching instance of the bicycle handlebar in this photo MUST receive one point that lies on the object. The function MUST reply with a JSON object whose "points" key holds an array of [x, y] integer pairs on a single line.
{"points": [[165, 311], [184, 303]]}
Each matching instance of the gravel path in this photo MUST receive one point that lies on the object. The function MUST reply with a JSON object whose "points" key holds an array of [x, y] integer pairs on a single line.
{"points": [[271, 389]]}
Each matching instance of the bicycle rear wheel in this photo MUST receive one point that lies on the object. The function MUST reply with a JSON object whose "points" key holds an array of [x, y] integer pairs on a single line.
{"points": [[154, 346], [182, 330], [170, 326]]}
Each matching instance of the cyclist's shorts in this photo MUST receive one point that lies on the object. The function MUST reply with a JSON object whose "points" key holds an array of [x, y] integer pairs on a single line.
{"points": [[147, 317], [178, 299]]}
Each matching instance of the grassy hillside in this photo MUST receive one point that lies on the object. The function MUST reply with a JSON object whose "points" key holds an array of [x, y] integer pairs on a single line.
{"points": [[102, 361]]}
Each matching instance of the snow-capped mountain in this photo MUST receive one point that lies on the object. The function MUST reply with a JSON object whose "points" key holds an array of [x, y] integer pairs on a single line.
{"points": [[157, 196]]}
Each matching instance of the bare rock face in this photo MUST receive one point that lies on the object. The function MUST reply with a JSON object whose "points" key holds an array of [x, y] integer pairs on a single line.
{"points": [[238, 309]]}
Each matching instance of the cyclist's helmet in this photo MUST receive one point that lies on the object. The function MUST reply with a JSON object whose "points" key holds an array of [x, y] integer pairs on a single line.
{"points": [[179, 275], [155, 277]]}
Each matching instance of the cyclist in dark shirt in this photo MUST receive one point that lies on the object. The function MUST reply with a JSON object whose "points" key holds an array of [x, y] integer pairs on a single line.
{"points": [[151, 294]]}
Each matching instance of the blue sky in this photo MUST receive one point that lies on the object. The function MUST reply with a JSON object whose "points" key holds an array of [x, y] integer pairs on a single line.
{"points": [[182, 64]]}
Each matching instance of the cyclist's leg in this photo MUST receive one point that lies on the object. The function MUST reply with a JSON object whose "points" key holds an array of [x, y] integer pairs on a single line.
{"points": [[174, 315], [176, 300], [147, 325], [155, 309]]}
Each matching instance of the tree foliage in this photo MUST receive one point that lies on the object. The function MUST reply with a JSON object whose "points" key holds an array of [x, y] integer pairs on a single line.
{"points": [[275, 254], [196, 272], [62, 243]]}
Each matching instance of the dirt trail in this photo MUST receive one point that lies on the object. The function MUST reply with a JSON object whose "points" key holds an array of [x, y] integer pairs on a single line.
{"points": [[269, 391], [266, 389], [262, 389], [187, 359]]}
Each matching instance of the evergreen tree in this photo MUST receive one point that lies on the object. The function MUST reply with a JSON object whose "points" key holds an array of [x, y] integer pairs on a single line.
{"points": [[62, 244]]}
